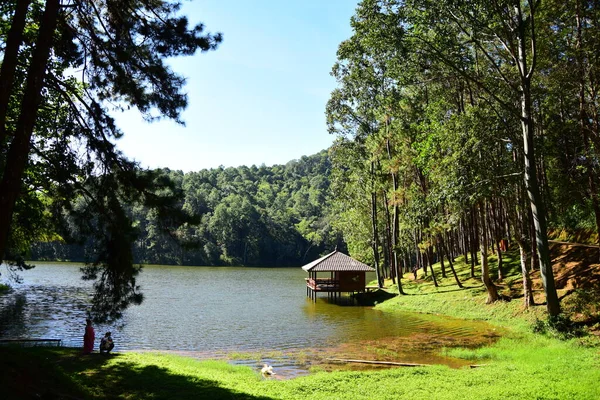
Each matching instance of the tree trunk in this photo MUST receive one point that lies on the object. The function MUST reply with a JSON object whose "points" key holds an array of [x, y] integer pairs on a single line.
{"points": [[440, 252], [497, 238], [375, 233], [535, 260], [444, 248], [485, 270], [388, 258], [18, 153], [528, 300], [429, 256], [474, 243], [465, 239], [395, 221], [420, 259], [14, 38], [530, 177]]}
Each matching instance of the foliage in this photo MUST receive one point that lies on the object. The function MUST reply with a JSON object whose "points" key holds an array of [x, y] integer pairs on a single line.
{"points": [[477, 117], [586, 302], [560, 326], [66, 66], [256, 216]]}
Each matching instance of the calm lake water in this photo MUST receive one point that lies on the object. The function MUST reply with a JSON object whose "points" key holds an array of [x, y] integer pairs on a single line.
{"points": [[205, 310]]}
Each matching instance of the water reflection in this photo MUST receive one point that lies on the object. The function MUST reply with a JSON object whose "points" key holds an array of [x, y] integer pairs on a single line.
{"points": [[12, 310]]}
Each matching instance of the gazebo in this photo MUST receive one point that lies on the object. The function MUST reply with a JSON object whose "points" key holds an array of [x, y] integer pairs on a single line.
{"points": [[344, 274]]}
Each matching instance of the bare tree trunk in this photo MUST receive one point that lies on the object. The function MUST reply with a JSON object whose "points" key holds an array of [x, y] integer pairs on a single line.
{"points": [[388, 257], [531, 182], [443, 248], [485, 270], [429, 256], [395, 221], [534, 254], [440, 252], [528, 300], [497, 238], [375, 233], [465, 239], [474, 240], [421, 259]]}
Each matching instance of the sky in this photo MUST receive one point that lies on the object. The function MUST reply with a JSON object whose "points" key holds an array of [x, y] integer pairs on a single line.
{"points": [[259, 98]]}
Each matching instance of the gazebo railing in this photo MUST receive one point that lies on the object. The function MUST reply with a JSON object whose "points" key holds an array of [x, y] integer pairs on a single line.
{"points": [[323, 284]]}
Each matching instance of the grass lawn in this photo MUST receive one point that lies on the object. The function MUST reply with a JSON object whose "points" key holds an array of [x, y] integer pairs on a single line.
{"points": [[521, 365]]}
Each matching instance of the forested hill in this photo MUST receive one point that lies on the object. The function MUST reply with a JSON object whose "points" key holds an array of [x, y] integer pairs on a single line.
{"points": [[255, 216]]}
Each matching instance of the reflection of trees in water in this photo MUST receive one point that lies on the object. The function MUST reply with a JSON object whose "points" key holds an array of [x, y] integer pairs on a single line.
{"points": [[38, 311], [12, 312]]}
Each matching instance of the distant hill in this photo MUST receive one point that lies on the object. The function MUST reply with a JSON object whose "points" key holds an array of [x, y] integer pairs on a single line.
{"points": [[255, 216]]}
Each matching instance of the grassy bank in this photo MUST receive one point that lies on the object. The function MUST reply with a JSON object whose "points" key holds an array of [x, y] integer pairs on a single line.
{"points": [[521, 365], [540, 368]]}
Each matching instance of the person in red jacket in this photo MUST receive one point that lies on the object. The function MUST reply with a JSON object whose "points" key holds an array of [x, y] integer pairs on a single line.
{"points": [[88, 337]]}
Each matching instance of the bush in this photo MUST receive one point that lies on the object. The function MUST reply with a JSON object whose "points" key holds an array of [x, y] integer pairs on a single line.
{"points": [[559, 326], [585, 302]]}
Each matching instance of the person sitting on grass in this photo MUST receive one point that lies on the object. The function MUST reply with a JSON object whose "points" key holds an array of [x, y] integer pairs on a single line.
{"points": [[106, 344]]}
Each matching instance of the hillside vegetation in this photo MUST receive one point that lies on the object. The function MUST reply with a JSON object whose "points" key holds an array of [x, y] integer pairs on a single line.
{"points": [[254, 216]]}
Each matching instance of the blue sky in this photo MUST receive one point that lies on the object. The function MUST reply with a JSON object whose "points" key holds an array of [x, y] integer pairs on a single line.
{"points": [[260, 97]]}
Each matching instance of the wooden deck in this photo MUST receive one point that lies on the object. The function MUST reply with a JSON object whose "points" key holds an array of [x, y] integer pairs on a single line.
{"points": [[323, 284], [332, 287]]}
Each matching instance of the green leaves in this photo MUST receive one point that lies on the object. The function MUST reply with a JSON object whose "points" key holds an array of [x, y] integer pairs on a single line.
{"points": [[74, 60]]}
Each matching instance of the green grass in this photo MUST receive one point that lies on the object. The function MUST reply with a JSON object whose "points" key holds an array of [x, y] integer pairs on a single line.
{"points": [[468, 303], [521, 365], [542, 369]]}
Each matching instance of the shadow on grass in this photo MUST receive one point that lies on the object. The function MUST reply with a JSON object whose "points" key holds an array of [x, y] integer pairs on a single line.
{"points": [[155, 382], [44, 373], [372, 298], [443, 290]]}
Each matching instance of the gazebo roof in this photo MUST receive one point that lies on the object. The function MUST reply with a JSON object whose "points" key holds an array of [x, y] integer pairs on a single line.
{"points": [[336, 261]]}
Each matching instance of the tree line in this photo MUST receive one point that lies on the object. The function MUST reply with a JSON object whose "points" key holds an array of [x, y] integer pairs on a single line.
{"points": [[463, 124], [251, 216]]}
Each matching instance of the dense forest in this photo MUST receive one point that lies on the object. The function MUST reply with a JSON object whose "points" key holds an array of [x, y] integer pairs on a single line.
{"points": [[463, 126], [254, 216]]}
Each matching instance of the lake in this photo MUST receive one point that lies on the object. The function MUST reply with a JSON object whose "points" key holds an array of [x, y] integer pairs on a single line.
{"points": [[209, 311]]}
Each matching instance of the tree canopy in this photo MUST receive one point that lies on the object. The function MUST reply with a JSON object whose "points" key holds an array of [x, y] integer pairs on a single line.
{"points": [[66, 65], [462, 124], [253, 216]]}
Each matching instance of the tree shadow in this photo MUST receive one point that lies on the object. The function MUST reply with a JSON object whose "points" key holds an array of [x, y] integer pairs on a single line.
{"points": [[154, 382], [46, 373], [372, 298], [447, 287]]}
